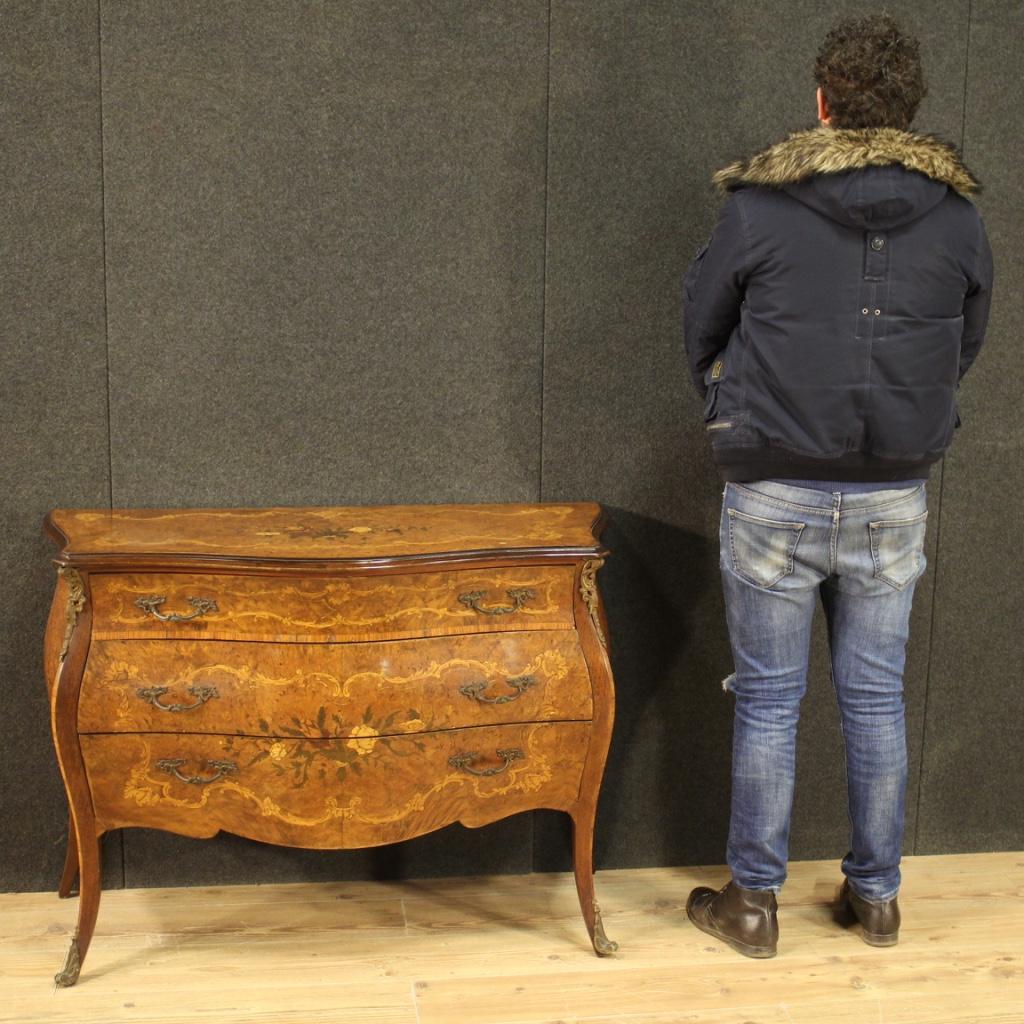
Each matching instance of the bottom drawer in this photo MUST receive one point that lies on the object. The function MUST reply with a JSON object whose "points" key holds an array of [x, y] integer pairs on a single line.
{"points": [[365, 790]]}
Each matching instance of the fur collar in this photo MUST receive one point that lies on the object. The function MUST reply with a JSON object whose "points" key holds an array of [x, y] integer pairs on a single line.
{"points": [[825, 150]]}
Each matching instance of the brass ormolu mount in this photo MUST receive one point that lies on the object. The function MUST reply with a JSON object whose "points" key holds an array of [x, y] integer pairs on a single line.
{"points": [[603, 946]]}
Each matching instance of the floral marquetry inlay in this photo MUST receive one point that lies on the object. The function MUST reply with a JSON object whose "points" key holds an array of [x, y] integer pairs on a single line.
{"points": [[287, 789]]}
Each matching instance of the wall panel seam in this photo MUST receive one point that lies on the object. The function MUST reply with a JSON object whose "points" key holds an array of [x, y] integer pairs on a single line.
{"points": [[967, 73], [106, 316], [543, 326], [544, 258], [938, 529], [103, 244]]}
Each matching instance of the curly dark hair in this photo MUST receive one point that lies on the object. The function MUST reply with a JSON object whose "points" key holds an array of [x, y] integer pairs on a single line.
{"points": [[870, 74]]}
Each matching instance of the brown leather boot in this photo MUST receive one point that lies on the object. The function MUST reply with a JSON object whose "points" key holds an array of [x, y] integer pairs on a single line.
{"points": [[879, 922], [746, 919]]}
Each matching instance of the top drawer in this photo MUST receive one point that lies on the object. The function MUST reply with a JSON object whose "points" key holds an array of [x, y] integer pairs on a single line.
{"points": [[387, 606]]}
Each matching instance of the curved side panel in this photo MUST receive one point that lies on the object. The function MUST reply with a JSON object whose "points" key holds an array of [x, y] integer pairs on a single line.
{"points": [[53, 637], [64, 725], [592, 627], [593, 630]]}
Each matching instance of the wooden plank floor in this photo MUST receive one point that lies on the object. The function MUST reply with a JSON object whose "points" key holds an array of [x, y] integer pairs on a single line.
{"points": [[513, 949]]}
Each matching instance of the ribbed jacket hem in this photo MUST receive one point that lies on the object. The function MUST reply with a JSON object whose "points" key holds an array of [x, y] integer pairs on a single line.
{"points": [[739, 464]]}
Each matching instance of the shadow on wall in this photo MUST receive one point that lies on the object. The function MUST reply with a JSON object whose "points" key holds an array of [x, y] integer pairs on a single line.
{"points": [[665, 797]]}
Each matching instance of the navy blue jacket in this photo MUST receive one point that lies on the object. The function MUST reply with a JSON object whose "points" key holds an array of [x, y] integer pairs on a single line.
{"points": [[840, 300]]}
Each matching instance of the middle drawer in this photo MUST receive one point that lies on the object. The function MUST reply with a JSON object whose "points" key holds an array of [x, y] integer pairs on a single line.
{"points": [[278, 689]]}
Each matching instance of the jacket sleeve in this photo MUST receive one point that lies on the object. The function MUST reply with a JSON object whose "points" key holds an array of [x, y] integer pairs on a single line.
{"points": [[977, 300], [713, 291]]}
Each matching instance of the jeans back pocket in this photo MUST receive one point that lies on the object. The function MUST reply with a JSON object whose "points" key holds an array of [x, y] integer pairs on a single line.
{"points": [[762, 549], [897, 549]]}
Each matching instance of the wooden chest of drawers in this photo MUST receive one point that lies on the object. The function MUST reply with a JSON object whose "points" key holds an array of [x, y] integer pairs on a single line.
{"points": [[327, 678]]}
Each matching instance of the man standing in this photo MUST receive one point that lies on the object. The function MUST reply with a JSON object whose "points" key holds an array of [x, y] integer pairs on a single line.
{"points": [[829, 321]]}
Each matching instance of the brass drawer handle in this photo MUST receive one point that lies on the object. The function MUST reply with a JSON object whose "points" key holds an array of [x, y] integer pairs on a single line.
{"points": [[518, 596], [475, 691], [200, 606], [465, 761], [172, 764], [152, 695]]}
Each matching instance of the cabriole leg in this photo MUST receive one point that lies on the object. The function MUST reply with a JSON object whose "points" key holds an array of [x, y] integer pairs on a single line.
{"points": [[583, 868], [88, 906]]}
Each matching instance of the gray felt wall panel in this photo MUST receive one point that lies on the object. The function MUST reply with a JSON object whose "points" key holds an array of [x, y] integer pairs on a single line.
{"points": [[646, 101], [53, 404], [325, 248], [971, 796]]}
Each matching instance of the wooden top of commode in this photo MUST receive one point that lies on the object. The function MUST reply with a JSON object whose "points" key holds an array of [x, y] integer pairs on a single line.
{"points": [[365, 536]]}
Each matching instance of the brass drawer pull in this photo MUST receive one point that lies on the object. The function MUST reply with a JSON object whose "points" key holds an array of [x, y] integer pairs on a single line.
{"points": [[200, 606], [464, 761], [152, 695], [475, 691], [172, 764], [518, 596]]}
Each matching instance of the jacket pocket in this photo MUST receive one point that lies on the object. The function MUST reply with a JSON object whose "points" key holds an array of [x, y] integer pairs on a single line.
{"points": [[897, 548], [762, 549], [713, 377]]}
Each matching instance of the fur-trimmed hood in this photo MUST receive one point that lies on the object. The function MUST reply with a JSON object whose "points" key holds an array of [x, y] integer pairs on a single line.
{"points": [[827, 150], [811, 166]]}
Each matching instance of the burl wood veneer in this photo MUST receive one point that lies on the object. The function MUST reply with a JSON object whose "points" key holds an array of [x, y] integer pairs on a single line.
{"points": [[329, 678]]}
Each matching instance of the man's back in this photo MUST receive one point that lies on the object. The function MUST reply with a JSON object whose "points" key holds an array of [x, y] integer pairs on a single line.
{"points": [[863, 279]]}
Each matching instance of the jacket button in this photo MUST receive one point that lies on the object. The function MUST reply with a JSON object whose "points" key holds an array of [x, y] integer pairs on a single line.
{"points": [[877, 243], [865, 311], [878, 312]]}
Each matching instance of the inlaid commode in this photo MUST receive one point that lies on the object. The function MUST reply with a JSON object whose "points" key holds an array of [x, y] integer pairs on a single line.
{"points": [[328, 678]]}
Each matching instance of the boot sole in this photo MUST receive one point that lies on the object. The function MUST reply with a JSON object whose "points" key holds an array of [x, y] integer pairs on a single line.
{"points": [[754, 952]]}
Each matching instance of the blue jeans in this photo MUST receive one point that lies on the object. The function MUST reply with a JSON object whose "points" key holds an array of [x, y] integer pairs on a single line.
{"points": [[781, 545]]}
